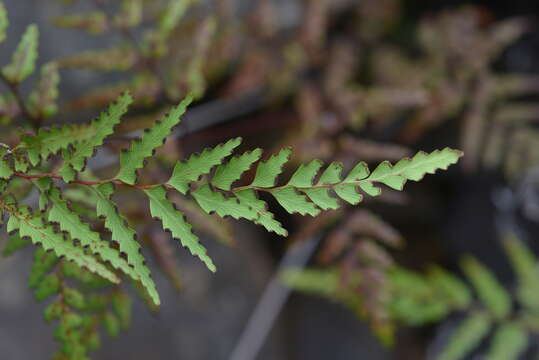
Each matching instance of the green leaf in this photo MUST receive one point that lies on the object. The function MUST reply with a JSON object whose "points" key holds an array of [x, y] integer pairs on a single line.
{"points": [[450, 287], [174, 221], [467, 336], [49, 141], [125, 237], [305, 174], [197, 165], [413, 169], [104, 126], [510, 341], [33, 227], [5, 169], [111, 324], [74, 298], [267, 171], [489, 290], [172, 15], [212, 201], [152, 138], [232, 170], [14, 243], [4, 22], [78, 230], [42, 100], [122, 306], [43, 263], [49, 286], [524, 264], [314, 281], [348, 193], [293, 202], [24, 58], [265, 218]]}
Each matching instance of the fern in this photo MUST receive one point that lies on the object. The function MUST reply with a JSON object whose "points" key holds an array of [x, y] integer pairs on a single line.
{"points": [[24, 58], [133, 159], [173, 220], [125, 237]]}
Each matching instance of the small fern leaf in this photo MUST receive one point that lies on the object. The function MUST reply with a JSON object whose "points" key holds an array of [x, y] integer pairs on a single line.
{"points": [[174, 221], [71, 223], [267, 171], [413, 169], [42, 100], [320, 196], [49, 141], [24, 58], [140, 149], [348, 193], [227, 173], [305, 174], [293, 202], [451, 287], [489, 290], [524, 264], [212, 201], [44, 262], [125, 237], [40, 233], [509, 342], [5, 169], [200, 164], [104, 126], [4, 22], [265, 218], [466, 337]]}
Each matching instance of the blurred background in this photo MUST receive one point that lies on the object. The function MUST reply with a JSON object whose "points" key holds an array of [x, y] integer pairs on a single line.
{"points": [[338, 80]]}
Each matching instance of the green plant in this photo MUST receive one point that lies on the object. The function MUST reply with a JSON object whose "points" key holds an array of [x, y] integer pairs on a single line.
{"points": [[416, 299], [86, 247]]}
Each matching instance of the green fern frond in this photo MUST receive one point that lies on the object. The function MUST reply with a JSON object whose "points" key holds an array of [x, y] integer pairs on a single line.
{"points": [[490, 291], [174, 221], [125, 237], [40, 233], [43, 263], [215, 202], [248, 199], [268, 171], [509, 342], [226, 174], [24, 58], [200, 164], [104, 126], [467, 336], [133, 159], [49, 141], [71, 223], [42, 100]]}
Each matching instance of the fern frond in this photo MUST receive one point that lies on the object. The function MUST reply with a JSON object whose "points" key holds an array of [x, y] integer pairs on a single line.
{"points": [[34, 227], [268, 171], [509, 342], [229, 172], [468, 335], [24, 58], [200, 164], [125, 237], [133, 159], [49, 141], [71, 223], [174, 221], [42, 99], [524, 264], [211, 201], [489, 290], [264, 217], [104, 126], [43, 263]]}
